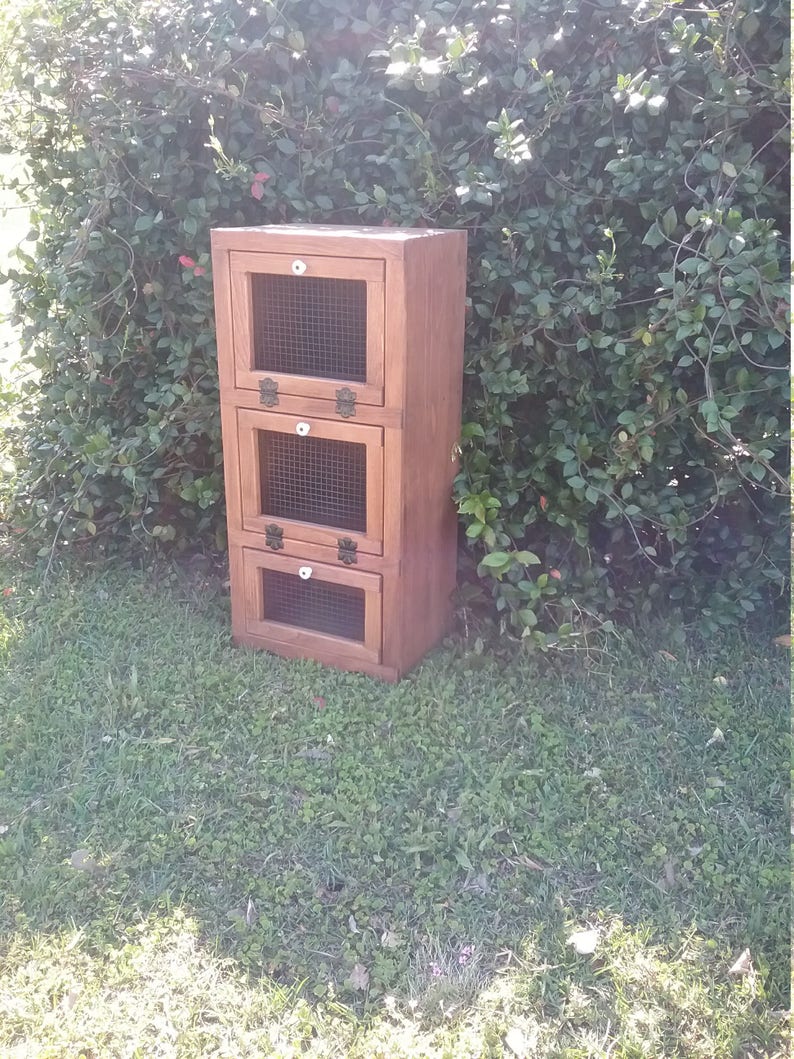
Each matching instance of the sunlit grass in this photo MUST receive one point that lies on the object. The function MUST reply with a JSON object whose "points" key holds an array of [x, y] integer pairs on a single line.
{"points": [[210, 851], [160, 992]]}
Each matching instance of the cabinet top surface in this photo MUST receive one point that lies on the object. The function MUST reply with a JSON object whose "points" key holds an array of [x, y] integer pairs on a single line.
{"points": [[389, 235]]}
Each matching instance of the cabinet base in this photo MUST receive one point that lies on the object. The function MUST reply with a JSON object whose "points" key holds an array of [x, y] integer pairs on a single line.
{"points": [[335, 660]]}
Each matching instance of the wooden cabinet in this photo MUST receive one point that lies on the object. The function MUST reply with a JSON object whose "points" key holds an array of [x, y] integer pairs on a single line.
{"points": [[340, 354]]}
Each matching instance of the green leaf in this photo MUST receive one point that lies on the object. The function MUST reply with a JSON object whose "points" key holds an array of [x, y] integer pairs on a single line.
{"points": [[526, 558], [689, 265], [542, 304], [472, 430], [653, 237], [717, 244], [495, 559], [463, 860], [670, 221]]}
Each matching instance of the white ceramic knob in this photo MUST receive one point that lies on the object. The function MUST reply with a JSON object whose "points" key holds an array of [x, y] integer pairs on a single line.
{"points": [[302, 429], [298, 267], [304, 572]]}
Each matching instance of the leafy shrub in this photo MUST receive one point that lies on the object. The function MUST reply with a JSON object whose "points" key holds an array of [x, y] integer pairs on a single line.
{"points": [[621, 173]]}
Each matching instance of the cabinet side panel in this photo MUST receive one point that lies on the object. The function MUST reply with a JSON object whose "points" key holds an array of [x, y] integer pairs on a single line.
{"points": [[224, 337], [224, 328], [239, 588], [395, 354], [435, 300]]}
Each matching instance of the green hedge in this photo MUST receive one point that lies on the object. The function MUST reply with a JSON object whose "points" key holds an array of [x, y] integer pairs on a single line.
{"points": [[621, 174]]}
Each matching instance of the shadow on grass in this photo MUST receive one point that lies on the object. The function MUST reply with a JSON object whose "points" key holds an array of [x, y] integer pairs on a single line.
{"points": [[192, 829]]}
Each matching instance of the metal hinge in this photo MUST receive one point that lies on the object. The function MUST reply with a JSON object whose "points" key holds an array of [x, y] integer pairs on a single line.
{"points": [[345, 402], [268, 392], [274, 537], [347, 551]]}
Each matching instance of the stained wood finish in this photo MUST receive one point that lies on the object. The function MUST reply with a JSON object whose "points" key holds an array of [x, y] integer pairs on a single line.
{"points": [[320, 553], [336, 240], [253, 518], [309, 407], [310, 640], [434, 323], [246, 377], [416, 288]]}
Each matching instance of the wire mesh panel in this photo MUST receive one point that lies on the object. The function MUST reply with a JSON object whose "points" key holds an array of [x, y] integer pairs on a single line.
{"points": [[317, 480], [317, 605], [310, 325]]}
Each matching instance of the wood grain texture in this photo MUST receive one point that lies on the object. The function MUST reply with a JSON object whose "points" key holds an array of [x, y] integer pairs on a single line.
{"points": [[323, 267], [224, 316], [241, 267], [329, 657], [238, 589], [332, 239], [434, 312], [313, 407], [256, 624], [415, 343], [256, 518], [321, 553]]}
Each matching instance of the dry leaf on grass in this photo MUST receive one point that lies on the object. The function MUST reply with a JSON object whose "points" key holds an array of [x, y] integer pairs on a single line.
{"points": [[69, 1000], [517, 1043], [314, 754], [669, 873], [717, 737], [593, 774], [359, 977], [81, 860], [585, 942], [743, 965], [244, 916], [529, 863]]}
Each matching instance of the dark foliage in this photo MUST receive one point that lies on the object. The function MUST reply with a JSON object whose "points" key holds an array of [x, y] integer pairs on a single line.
{"points": [[622, 176]]}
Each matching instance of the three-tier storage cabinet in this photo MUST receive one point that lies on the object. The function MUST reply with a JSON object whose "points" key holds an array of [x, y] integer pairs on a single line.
{"points": [[340, 353]]}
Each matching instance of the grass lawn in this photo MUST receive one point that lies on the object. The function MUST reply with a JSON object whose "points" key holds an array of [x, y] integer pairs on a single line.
{"points": [[207, 851]]}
